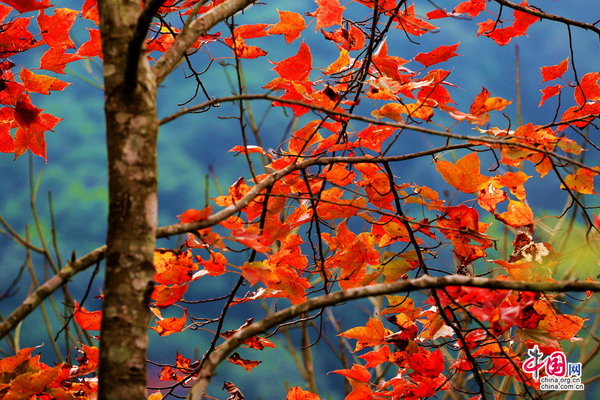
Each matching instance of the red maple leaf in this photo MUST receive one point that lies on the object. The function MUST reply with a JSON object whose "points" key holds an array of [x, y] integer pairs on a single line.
{"points": [[290, 25], [41, 83], [168, 326], [296, 68], [328, 13], [55, 28], [24, 6], [92, 47], [471, 7], [87, 320], [554, 71], [438, 55], [248, 365]]}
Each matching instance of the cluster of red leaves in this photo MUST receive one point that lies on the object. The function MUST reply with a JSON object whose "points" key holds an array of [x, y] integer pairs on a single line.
{"points": [[23, 377], [23, 125], [419, 371]]}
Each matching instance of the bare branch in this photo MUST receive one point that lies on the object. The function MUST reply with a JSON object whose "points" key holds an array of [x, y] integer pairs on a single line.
{"points": [[49, 287], [424, 282], [188, 36]]}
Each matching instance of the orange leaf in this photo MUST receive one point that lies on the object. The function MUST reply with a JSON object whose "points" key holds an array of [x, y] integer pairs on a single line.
{"points": [[169, 326], [87, 320], [464, 175], [358, 372], [554, 71], [92, 47], [251, 238], [296, 393], [586, 113], [353, 39], [167, 374], [248, 365], [438, 55], [15, 37], [173, 267], [589, 293], [166, 295], [373, 137], [514, 182], [340, 64], [408, 22], [214, 267], [560, 326], [588, 89], [290, 25], [483, 103], [41, 83], [250, 149], [155, 396], [391, 110], [372, 334], [437, 13], [518, 214], [491, 196], [192, 215], [9, 364], [242, 50], [89, 11], [26, 386], [582, 181], [329, 12], [548, 92], [427, 364], [305, 137], [88, 361], [471, 7], [503, 36], [375, 358], [296, 68], [55, 60]]}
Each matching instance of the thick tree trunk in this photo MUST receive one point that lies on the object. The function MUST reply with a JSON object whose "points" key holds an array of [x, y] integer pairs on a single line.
{"points": [[131, 132]]}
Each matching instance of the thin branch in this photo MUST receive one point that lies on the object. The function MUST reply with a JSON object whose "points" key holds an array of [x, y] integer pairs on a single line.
{"points": [[415, 128], [11, 233], [551, 17], [176, 229], [49, 287], [200, 26], [82, 263], [424, 282]]}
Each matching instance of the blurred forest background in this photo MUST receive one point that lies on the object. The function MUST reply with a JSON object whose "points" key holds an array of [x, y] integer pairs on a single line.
{"points": [[196, 145]]}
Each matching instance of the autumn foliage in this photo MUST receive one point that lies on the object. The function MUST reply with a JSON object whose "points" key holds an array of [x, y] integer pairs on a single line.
{"points": [[327, 210]]}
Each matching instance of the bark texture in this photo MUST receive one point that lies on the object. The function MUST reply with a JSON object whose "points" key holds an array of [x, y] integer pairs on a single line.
{"points": [[131, 133]]}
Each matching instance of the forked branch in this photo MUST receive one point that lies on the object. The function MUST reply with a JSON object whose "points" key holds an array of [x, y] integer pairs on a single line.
{"points": [[200, 26]]}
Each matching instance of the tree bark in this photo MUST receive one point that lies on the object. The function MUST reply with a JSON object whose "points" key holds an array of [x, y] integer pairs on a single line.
{"points": [[131, 133]]}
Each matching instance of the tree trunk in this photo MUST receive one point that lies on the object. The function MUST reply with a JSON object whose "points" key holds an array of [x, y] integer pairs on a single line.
{"points": [[131, 133]]}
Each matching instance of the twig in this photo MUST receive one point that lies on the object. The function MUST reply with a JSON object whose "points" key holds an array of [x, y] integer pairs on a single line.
{"points": [[424, 282], [551, 17]]}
